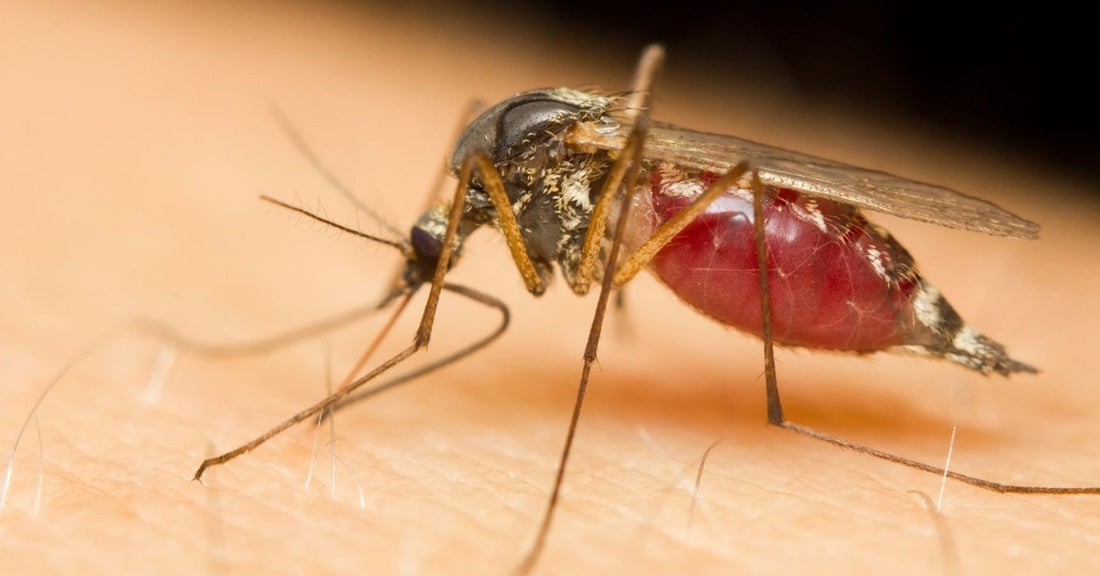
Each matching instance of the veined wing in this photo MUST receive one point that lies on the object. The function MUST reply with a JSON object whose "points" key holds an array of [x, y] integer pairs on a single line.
{"points": [[861, 187]]}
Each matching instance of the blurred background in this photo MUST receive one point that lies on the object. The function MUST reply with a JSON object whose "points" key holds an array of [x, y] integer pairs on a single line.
{"points": [[1017, 80]]}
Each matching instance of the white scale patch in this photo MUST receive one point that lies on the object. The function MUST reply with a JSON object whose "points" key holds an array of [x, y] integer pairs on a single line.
{"points": [[676, 183], [435, 221], [575, 189], [968, 340], [811, 212], [683, 189], [875, 256], [927, 307], [581, 99]]}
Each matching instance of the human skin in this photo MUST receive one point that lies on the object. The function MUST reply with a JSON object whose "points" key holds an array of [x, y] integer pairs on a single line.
{"points": [[135, 144]]}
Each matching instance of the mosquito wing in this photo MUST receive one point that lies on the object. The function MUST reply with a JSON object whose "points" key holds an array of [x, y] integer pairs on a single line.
{"points": [[861, 187]]}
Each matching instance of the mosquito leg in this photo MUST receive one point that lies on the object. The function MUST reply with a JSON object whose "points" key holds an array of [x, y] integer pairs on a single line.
{"points": [[509, 227], [663, 235], [771, 385], [971, 480], [447, 360], [638, 105], [165, 332], [645, 253], [641, 127], [626, 167], [162, 331], [775, 409], [513, 237], [597, 224], [423, 333], [332, 399], [673, 226], [396, 287]]}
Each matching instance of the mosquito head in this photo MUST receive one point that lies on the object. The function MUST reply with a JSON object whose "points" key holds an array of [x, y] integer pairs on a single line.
{"points": [[426, 245], [503, 130]]}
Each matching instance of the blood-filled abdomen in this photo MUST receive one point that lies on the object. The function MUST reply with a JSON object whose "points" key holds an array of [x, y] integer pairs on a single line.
{"points": [[837, 281]]}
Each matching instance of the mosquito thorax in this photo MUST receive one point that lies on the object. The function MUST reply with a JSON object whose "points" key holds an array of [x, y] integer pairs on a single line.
{"points": [[503, 130], [549, 183]]}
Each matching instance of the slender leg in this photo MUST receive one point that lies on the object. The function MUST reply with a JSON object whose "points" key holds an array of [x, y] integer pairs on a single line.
{"points": [[667, 231], [775, 409], [641, 257], [637, 106], [421, 339], [461, 353], [333, 398], [339, 320], [640, 128], [627, 166], [597, 224], [162, 331], [509, 228]]}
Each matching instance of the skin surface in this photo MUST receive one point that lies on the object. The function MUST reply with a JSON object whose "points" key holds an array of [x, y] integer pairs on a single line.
{"points": [[135, 142]]}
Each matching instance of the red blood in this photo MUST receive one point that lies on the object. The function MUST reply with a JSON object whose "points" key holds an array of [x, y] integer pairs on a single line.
{"points": [[837, 282]]}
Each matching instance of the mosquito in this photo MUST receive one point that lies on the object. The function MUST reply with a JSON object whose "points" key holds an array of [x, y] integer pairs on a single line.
{"points": [[771, 242]]}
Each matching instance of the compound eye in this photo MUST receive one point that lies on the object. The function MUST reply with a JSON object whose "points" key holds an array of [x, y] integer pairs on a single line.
{"points": [[427, 247], [528, 119]]}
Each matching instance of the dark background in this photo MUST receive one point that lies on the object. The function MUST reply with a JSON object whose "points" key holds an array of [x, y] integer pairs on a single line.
{"points": [[1019, 80]]}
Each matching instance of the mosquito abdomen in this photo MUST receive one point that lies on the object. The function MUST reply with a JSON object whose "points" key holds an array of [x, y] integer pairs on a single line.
{"points": [[837, 281]]}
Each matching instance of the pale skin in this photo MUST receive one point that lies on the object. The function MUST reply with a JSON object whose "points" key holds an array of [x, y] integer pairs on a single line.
{"points": [[137, 153]]}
